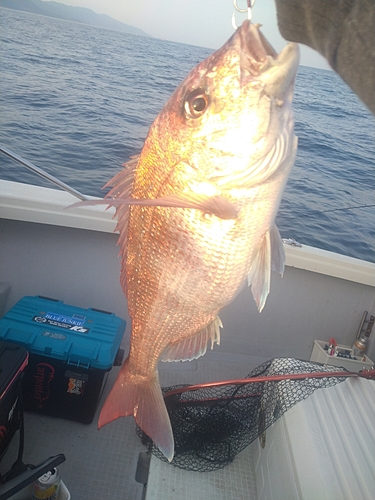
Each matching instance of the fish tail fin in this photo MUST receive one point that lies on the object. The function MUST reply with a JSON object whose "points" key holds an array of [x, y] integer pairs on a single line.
{"points": [[144, 400]]}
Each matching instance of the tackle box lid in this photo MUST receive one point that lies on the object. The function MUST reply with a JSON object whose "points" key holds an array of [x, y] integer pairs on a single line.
{"points": [[87, 338], [13, 359]]}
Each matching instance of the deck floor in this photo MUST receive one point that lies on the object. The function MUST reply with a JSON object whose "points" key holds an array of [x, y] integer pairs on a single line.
{"points": [[237, 481], [102, 464]]}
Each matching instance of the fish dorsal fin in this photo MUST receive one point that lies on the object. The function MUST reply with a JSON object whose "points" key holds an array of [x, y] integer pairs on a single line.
{"points": [[195, 346], [269, 256], [122, 185]]}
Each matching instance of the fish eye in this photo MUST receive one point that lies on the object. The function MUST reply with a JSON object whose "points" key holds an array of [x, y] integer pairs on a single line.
{"points": [[196, 103]]}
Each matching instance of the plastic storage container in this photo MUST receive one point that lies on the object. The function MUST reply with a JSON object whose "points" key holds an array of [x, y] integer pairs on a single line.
{"points": [[26, 493], [71, 349], [320, 355], [13, 360]]}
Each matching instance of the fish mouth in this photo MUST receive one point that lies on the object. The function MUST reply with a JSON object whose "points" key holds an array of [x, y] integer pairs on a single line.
{"points": [[259, 61]]}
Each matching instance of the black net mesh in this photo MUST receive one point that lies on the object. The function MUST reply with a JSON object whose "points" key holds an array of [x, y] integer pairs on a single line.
{"points": [[212, 425]]}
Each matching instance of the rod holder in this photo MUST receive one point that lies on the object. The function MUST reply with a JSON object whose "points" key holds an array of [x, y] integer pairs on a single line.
{"points": [[363, 334]]}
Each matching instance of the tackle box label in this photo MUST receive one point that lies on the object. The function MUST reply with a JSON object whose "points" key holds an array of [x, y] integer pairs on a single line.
{"points": [[76, 319], [71, 323]]}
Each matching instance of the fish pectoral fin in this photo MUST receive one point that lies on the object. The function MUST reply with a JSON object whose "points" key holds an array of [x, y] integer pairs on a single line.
{"points": [[195, 346], [270, 256], [144, 400], [216, 205], [277, 251]]}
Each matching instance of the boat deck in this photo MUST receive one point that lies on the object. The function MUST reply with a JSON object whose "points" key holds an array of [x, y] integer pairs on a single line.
{"points": [[102, 464], [71, 255]]}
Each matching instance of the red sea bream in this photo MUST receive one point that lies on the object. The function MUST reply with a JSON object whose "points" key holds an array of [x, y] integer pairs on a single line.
{"points": [[196, 212]]}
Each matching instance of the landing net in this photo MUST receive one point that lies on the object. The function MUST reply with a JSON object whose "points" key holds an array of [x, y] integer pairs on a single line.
{"points": [[212, 425]]}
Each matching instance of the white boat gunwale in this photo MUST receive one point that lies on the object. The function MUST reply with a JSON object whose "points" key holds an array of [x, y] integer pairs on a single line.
{"points": [[25, 202]]}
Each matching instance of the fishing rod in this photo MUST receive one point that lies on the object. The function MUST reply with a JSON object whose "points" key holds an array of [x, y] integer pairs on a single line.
{"points": [[43, 174]]}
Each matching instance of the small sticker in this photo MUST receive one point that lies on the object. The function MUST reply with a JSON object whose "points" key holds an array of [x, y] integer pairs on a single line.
{"points": [[79, 317], [54, 335], [76, 386]]}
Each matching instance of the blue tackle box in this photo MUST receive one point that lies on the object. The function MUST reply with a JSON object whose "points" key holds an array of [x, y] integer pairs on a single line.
{"points": [[71, 350]]}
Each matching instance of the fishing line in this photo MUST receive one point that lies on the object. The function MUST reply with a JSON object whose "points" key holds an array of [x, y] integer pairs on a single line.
{"points": [[332, 210], [74, 192]]}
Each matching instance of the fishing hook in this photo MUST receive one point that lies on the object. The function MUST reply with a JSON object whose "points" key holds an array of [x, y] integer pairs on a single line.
{"points": [[250, 5]]}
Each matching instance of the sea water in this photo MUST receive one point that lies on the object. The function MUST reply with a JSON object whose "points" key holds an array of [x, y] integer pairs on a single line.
{"points": [[78, 101]]}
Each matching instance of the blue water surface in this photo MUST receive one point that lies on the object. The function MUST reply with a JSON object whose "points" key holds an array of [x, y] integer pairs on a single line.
{"points": [[78, 101]]}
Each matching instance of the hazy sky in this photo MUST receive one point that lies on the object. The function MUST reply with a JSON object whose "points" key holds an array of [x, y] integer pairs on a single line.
{"points": [[206, 23]]}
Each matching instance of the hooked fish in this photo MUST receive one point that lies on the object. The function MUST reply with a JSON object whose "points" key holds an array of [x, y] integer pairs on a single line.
{"points": [[196, 213]]}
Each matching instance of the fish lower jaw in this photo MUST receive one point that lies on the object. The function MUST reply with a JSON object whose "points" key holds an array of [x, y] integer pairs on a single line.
{"points": [[280, 74]]}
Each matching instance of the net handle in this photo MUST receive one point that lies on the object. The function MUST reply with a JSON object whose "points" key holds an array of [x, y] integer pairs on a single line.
{"points": [[369, 374]]}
